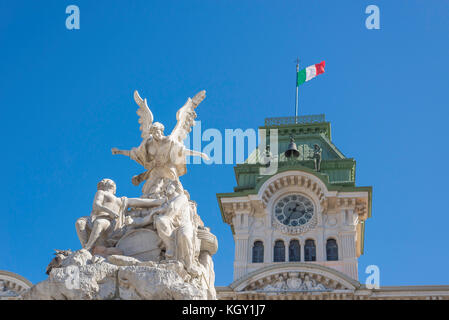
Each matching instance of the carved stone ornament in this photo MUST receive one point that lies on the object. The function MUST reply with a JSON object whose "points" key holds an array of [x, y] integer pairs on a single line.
{"points": [[297, 281]]}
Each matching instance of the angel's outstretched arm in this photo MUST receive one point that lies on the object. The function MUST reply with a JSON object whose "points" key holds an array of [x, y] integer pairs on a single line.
{"points": [[194, 153], [122, 152]]}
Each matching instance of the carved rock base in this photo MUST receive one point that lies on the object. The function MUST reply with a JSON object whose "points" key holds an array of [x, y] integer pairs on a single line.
{"points": [[82, 276]]}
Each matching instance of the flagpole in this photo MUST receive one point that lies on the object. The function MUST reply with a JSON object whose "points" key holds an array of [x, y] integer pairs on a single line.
{"points": [[297, 87]]}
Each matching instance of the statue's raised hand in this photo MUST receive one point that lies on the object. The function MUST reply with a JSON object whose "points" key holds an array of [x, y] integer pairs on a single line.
{"points": [[122, 152], [136, 180]]}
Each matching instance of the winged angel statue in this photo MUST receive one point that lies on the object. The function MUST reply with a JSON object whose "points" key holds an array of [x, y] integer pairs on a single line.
{"points": [[163, 157]]}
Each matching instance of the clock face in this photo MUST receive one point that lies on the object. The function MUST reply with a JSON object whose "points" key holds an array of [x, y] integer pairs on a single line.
{"points": [[294, 210]]}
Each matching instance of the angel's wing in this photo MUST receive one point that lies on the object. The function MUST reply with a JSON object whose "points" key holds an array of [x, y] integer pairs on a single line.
{"points": [[186, 117], [145, 115]]}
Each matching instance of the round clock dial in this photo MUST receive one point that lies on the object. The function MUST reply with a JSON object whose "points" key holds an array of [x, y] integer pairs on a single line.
{"points": [[294, 210]]}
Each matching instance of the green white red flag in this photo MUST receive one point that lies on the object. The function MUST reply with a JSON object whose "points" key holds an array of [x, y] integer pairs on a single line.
{"points": [[310, 72]]}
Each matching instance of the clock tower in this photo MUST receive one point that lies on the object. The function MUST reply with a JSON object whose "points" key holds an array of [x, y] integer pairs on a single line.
{"points": [[300, 228]]}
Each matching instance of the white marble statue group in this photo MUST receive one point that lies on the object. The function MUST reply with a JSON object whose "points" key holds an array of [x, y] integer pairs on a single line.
{"points": [[163, 224]]}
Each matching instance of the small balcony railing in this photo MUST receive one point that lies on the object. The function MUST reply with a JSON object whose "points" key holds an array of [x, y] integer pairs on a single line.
{"points": [[316, 118]]}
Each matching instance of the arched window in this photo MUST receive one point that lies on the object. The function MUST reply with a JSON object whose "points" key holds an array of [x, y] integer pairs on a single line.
{"points": [[258, 252], [331, 250], [279, 251], [294, 251], [310, 250]]}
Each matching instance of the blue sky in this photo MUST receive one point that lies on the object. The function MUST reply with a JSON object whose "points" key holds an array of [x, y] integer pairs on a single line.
{"points": [[66, 99]]}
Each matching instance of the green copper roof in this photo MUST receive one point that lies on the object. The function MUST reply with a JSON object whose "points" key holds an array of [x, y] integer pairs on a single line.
{"points": [[306, 131]]}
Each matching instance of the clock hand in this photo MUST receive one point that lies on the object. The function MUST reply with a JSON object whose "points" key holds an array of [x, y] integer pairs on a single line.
{"points": [[302, 211], [287, 220]]}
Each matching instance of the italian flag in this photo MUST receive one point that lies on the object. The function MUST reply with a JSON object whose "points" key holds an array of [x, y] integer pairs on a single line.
{"points": [[310, 72]]}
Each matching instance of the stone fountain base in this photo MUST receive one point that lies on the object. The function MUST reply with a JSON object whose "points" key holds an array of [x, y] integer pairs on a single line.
{"points": [[82, 276]]}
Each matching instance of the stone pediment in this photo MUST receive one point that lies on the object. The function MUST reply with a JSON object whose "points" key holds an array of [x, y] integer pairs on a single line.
{"points": [[12, 285], [295, 277]]}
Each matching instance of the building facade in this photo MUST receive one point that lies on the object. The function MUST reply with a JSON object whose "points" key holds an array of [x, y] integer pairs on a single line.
{"points": [[299, 230]]}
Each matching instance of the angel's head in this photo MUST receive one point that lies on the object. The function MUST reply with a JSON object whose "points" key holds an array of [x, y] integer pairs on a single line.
{"points": [[157, 130]]}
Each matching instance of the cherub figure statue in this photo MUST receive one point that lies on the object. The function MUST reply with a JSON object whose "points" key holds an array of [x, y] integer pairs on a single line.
{"points": [[162, 156], [108, 214]]}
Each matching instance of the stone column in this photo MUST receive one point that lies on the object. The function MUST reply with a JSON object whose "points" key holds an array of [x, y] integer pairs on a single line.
{"points": [[242, 248], [347, 253]]}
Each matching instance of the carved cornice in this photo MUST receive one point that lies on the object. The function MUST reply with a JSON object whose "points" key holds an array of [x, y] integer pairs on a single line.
{"points": [[345, 203], [361, 208], [231, 207], [437, 292]]}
